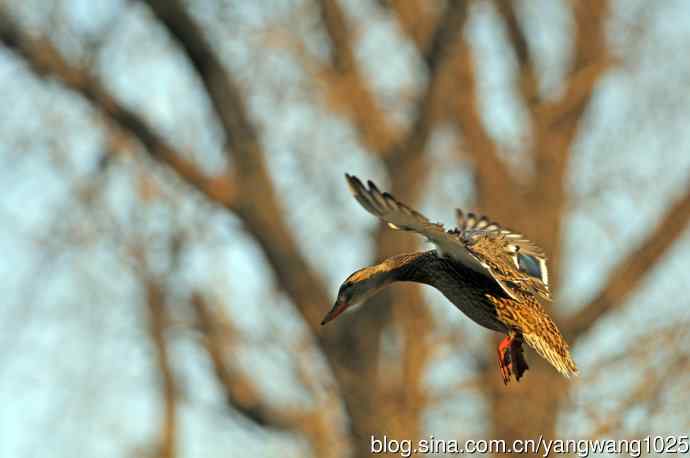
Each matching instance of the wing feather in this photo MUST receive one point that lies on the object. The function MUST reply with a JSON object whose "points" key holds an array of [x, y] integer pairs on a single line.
{"points": [[516, 262], [399, 216]]}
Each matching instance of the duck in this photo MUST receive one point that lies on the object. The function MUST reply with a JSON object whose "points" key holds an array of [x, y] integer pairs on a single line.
{"points": [[495, 276]]}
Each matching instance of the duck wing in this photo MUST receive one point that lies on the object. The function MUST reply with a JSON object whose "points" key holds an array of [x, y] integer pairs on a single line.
{"points": [[517, 264], [399, 216]]}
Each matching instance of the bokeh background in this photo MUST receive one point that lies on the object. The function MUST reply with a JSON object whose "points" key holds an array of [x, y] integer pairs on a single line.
{"points": [[175, 222]]}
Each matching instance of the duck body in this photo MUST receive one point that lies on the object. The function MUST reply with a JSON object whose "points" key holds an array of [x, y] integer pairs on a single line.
{"points": [[466, 289]]}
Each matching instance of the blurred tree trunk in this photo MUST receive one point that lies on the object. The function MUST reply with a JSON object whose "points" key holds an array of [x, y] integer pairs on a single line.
{"points": [[541, 198], [525, 410], [380, 402]]}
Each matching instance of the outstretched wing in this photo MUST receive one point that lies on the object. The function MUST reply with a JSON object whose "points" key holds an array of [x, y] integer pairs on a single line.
{"points": [[515, 262], [399, 216]]}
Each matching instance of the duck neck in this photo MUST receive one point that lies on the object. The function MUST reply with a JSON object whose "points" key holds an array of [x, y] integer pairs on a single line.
{"points": [[405, 267]]}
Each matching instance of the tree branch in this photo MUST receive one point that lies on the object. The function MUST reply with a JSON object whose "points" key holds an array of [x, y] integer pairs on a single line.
{"points": [[436, 57], [529, 87], [252, 198], [446, 45], [224, 94], [436, 31], [417, 18], [394, 150], [251, 195], [45, 60], [257, 205], [555, 123], [590, 63], [335, 22], [158, 323], [345, 82], [407, 170], [493, 179], [628, 274], [242, 394], [447, 31]]}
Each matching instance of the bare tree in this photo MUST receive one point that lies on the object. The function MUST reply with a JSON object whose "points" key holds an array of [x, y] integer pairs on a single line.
{"points": [[535, 200]]}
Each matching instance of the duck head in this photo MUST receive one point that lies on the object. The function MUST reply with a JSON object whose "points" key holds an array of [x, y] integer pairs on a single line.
{"points": [[357, 289]]}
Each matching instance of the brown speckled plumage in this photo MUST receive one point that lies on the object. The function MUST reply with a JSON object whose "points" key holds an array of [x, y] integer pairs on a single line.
{"points": [[496, 277]]}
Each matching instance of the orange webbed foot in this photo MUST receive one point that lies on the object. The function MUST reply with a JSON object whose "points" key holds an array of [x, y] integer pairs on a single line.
{"points": [[504, 361], [511, 358]]}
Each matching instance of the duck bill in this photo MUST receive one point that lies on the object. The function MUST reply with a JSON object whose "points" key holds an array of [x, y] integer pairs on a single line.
{"points": [[338, 308]]}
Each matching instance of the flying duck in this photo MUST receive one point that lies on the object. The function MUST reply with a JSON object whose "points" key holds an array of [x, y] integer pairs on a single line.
{"points": [[496, 277]]}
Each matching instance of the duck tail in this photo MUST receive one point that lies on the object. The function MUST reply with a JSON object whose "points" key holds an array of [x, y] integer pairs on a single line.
{"points": [[552, 347]]}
